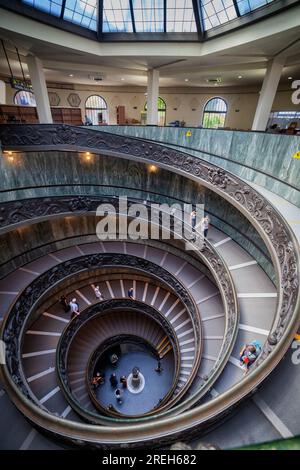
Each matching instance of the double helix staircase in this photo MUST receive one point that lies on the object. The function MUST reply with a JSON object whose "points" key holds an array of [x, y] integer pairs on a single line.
{"points": [[212, 388]]}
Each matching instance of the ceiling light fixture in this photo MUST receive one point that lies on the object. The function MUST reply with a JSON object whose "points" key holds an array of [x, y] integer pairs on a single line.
{"points": [[186, 79], [122, 79], [290, 78], [71, 75], [240, 76]]}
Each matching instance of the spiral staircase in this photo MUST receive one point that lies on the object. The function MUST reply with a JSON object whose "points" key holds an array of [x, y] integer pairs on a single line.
{"points": [[194, 308]]}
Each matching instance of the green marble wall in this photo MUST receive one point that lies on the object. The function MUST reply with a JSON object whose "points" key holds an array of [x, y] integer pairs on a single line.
{"points": [[43, 174], [40, 174], [235, 151]]}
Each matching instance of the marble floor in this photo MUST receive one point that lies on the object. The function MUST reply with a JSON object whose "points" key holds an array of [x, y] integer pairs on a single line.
{"points": [[156, 385]]}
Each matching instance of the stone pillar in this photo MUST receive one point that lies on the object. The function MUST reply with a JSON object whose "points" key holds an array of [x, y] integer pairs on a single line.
{"points": [[39, 86], [267, 94], [152, 97], [2, 92]]}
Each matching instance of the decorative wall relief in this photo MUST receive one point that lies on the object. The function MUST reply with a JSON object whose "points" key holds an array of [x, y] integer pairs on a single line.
{"points": [[74, 100], [54, 98]]}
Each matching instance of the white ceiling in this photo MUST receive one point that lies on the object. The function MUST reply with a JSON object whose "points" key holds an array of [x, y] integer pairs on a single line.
{"points": [[246, 58]]}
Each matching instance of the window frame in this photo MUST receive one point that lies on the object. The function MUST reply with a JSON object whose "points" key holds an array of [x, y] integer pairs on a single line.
{"points": [[97, 109], [215, 112]]}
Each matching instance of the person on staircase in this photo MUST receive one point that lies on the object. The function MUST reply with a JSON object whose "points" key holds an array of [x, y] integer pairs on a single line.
{"points": [[123, 381], [193, 219], [205, 225], [114, 358], [131, 293], [74, 306], [118, 394], [98, 293], [97, 380], [249, 353], [113, 380]]}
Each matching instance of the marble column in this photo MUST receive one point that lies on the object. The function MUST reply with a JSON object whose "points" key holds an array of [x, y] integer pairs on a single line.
{"points": [[39, 86], [267, 93], [2, 92], [152, 97]]}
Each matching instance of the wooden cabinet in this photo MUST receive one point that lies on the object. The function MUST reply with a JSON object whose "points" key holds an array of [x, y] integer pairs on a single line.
{"points": [[120, 115], [70, 116], [18, 114], [28, 115]]}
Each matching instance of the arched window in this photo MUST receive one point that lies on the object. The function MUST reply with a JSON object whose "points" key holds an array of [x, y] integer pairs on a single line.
{"points": [[24, 98], [214, 113], [162, 110], [96, 109]]}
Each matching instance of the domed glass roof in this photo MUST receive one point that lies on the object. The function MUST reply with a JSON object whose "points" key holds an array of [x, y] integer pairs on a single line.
{"points": [[146, 19]]}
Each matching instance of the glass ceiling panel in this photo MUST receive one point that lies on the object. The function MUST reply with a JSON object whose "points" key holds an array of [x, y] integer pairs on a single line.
{"points": [[116, 16], [180, 16], [217, 12], [82, 12], [48, 6], [149, 16], [246, 6]]}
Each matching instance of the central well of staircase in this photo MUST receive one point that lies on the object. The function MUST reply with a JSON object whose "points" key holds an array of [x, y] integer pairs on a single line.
{"points": [[146, 384]]}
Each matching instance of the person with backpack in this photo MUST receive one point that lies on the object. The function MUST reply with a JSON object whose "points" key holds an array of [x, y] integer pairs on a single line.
{"points": [[249, 353]]}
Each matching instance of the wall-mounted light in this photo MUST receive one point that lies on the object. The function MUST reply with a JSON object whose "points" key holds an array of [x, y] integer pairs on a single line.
{"points": [[153, 168], [88, 156], [10, 155]]}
